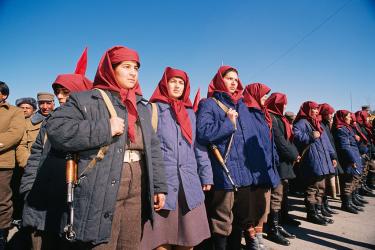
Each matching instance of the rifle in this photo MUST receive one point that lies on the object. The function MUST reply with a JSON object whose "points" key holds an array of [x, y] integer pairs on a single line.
{"points": [[71, 182], [219, 157]]}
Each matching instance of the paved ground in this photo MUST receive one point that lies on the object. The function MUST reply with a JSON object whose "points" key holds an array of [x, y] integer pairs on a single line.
{"points": [[349, 231]]}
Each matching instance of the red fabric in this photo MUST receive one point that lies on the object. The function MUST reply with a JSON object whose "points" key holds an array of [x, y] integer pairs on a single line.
{"points": [[105, 79], [339, 119], [357, 128], [275, 104], [82, 64], [362, 119], [197, 98], [217, 85], [252, 95], [326, 109], [304, 112], [178, 106], [75, 82]]}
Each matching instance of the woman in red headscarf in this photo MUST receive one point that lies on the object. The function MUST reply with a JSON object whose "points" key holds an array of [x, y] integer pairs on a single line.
{"points": [[318, 159], [187, 166], [121, 178], [350, 159], [262, 159], [288, 155], [220, 129]]}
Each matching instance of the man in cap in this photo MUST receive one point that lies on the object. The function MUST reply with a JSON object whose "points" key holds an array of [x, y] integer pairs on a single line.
{"points": [[11, 130], [290, 116], [28, 104], [46, 105]]}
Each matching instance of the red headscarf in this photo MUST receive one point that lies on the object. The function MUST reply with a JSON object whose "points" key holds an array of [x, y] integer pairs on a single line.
{"points": [[178, 106], [105, 79], [197, 99], [252, 95], [357, 128], [217, 85], [75, 82], [339, 119], [326, 109], [275, 105], [304, 113], [362, 119]]}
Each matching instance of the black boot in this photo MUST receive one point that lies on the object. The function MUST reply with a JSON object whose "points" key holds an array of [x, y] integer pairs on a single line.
{"points": [[285, 218], [327, 207], [285, 233], [273, 233], [360, 197], [359, 209], [313, 217], [319, 213], [220, 242], [234, 239], [346, 204], [325, 212], [365, 192], [3, 238], [356, 201]]}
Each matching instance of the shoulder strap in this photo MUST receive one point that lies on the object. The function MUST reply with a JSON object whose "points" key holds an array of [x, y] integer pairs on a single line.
{"points": [[154, 117], [103, 150], [221, 105], [108, 103]]}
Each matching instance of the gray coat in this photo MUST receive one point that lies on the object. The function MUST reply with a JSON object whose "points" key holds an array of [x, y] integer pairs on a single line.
{"points": [[82, 125]]}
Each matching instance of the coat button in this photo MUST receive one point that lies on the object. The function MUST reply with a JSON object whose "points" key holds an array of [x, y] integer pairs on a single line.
{"points": [[113, 182], [120, 150], [106, 215], [180, 143], [175, 189]]}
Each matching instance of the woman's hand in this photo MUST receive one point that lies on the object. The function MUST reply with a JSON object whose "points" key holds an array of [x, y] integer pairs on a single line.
{"points": [[316, 134], [117, 126], [232, 115], [334, 163], [206, 187], [159, 201]]}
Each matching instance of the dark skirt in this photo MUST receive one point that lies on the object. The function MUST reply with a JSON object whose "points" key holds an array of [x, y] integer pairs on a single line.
{"points": [[179, 227]]}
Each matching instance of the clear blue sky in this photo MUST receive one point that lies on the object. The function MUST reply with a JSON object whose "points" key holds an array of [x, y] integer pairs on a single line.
{"points": [[40, 39]]}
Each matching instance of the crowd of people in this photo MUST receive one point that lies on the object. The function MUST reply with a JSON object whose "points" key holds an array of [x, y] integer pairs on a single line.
{"points": [[109, 169]]}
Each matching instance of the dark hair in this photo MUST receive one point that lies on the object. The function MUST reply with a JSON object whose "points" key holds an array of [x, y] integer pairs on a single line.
{"points": [[4, 89], [229, 70]]}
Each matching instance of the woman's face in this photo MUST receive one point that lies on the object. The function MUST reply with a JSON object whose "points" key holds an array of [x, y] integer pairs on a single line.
{"points": [[62, 94], [314, 112], [348, 119], [231, 81], [263, 99], [126, 74], [176, 87]]}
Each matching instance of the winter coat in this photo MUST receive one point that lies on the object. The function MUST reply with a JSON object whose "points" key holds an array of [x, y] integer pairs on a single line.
{"points": [[82, 125], [215, 128], [260, 149], [327, 129], [317, 159], [12, 126], [347, 150], [286, 149], [186, 166]]}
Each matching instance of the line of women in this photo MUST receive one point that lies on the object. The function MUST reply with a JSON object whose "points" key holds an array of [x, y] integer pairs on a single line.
{"points": [[157, 175]]}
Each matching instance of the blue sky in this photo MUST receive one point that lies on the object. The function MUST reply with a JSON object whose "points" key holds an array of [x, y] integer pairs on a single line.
{"points": [[40, 39]]}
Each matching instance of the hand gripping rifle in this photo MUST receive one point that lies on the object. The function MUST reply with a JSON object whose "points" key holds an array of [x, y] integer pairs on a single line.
{"points": [[71, 182]]}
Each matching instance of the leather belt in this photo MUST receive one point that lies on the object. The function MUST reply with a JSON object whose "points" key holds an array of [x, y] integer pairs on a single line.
{"points": [[132, 155]]}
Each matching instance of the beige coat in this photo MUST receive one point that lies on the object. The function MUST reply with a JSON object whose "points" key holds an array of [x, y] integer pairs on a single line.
{"points": [[12, 127]]}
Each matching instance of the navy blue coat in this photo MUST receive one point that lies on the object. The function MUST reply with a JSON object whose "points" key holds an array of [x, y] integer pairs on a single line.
{"points": [[317, 160], [347, 150], [261, 154], [214, 127]]}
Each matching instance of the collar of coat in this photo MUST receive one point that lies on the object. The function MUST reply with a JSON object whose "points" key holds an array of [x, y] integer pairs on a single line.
{"points": [[5, 105], [37, 118]]}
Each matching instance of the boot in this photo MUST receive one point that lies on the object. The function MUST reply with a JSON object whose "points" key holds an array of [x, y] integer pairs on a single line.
{"points": [[285, 218], [327, 207], [273, 233], [259, 236], [366, 187], [346, 205], [220, 242], [365, 192], [285, 233], [319, 213], [325, 212], [313, 217], [360, 197], [234, 239], [252, 242], [359, 209], [3, 238], [356, 201]]}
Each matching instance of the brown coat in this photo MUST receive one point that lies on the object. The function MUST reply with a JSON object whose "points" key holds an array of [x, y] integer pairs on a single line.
{"points": [[12, 126], [28, 139]]}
